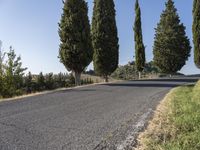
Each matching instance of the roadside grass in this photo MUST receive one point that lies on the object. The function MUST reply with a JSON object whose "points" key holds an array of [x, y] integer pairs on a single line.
{"points": [[176, 122]]}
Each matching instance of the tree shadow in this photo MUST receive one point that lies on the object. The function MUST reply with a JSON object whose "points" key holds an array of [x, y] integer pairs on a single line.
{"points": [[171, 80], [165, 83]]}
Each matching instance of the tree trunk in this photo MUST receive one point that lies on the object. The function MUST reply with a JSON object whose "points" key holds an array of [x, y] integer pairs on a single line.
{"points": [[140, 75], [77, 78], [106, 78]]}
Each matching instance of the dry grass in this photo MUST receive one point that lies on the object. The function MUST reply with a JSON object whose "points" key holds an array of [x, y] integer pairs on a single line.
{"points": [[96, 79], [157, 126]]}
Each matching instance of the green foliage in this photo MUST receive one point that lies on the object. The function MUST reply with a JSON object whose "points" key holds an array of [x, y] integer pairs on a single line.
{"points": [[139, 46], [49, 81], [104, 38], [151, 68], [71, 80], [13, 79], [171, 46], [60, 80], [196, 32], [29, 83], [128, 72], [125, 72], [74, 31], [40, 82], [14, 83], [178, 126]]}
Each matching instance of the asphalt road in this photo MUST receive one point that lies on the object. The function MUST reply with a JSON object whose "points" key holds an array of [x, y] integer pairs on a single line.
{"points": [[94, 117]]}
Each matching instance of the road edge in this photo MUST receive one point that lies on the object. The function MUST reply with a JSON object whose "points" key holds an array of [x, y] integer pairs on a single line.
{"points": [[53, 91]]}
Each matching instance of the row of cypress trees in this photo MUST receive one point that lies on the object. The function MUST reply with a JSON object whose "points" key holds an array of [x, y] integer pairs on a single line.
{"points": [[171, 46], [80, 45]]}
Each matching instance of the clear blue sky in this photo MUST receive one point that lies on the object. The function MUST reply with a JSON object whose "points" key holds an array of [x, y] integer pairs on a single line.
{"points": [[31, 26]]}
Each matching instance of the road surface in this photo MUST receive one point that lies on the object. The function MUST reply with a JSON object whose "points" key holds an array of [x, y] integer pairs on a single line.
{"points": [[90, 118]]}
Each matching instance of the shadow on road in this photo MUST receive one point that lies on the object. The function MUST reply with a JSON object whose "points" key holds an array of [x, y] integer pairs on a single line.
{"points": [[155, 83], [143, 85], [172, 80]]}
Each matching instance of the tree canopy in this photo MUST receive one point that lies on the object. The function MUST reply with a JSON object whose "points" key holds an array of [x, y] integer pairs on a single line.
{"points": [[196, 32], [139, 46], [74, 31], [105, 38], [171, 46]]}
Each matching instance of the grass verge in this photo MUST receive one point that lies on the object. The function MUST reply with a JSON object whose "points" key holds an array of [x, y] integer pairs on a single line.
{"points": [[176, 122]]}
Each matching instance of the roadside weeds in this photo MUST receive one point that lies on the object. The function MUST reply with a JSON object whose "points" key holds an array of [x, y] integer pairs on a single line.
{"points": [[175, 124]]}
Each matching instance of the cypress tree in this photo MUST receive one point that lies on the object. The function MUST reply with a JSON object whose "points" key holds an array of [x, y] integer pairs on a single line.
{"points": [[74, 31], [171, 46], [139, 46], [105, 38], [196, 32]]}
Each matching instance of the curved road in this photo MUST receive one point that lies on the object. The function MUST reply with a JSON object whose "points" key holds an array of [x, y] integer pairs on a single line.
{"points": [[93, 117]]}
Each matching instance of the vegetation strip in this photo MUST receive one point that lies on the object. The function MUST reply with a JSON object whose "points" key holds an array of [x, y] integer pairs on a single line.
{"points": [[52, 91], [175, 124]]}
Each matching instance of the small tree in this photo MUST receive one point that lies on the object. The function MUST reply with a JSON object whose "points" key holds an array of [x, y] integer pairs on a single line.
{"points": [[196, 32], [171, 46], [105, 38], [74, 31], [13, 75], [139, 46]]}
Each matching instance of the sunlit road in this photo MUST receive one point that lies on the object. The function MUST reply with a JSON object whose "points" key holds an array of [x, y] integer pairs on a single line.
{"points": [[80, 119]]}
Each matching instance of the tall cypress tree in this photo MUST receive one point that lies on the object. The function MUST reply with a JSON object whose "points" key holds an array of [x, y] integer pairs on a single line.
{"points": [[105, 38], [196, 32], [139, 46], [171, 46], [74, 31]]}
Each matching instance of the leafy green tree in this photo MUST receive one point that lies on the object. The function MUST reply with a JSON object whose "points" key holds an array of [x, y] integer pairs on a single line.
{"points": [[13, 75], [139, 46], [171, 46], [41, 82], [104, 38], [196, 32], [74, 31]]}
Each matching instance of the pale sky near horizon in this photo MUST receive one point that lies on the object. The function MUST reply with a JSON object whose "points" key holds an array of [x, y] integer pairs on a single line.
{"points": [[31, 27]]}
